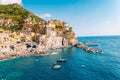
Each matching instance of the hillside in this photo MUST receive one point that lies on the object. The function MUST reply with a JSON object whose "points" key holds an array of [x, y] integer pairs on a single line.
{"points": [[14, 14], [15, 18]]}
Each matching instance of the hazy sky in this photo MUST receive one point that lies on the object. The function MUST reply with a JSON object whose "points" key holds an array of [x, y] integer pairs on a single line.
{"points": [[87, 17]]}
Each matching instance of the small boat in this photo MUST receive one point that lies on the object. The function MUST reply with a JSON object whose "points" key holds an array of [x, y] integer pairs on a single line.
{"points": [[53, 53], [56, 67], [61, 60], [92, 44], [83, 66]]}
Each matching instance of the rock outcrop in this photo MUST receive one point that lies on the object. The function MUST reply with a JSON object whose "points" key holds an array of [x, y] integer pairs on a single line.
{"points": [[28, 42], [88, 49], [25, 34]]}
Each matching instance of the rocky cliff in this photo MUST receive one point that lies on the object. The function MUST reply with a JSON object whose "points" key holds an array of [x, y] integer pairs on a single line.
{"points": [[23, 33]]}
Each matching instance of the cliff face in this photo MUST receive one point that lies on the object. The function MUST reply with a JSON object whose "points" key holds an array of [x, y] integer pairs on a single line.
{"points": [[53, 39], [22, 33], [61, 35], [26, 43]]}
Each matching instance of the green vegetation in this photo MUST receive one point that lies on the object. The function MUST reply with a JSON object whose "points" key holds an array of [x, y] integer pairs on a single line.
{"points": [[36, 28], [70, 29], [16, 13], [16, 27], [14, 17], [13, 27], [58, 27], [4, 27]]}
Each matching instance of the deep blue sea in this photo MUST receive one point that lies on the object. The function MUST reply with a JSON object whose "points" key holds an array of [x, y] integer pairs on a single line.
{"points": [[105, 66]]}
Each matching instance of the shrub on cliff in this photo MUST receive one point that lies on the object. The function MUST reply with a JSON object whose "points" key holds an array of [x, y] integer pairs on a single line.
{"points": [[16, 27], [59, 27]]}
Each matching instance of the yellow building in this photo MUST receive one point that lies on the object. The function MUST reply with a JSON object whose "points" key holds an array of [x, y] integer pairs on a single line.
{"points": [[1, 30]]}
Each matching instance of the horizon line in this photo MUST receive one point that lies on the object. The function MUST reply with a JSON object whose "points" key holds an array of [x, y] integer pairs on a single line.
{"points": [[96, 35]]}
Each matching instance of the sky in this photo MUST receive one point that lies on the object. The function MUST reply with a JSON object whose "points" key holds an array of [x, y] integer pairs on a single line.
{"points": [[10, 1], [87, 17]]}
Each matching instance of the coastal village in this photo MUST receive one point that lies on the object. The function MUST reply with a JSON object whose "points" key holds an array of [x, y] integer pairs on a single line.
{"points": [[25, 34], [59, 40], [31, 41], [28, 32]]}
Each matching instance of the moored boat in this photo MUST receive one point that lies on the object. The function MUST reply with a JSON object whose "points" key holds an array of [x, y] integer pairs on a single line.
{"points": [[53, 53], [61, 60], [56, 67], [92, 44]]}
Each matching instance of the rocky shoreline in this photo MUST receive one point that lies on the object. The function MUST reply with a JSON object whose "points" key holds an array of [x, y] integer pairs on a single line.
{"points": [[87, 49], [29, 35], [27, 43], [16, 56], [12, 48], [6, 54], [21, 51]]}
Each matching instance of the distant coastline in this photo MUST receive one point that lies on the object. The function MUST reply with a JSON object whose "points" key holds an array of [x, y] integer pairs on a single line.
{"points": [[101, 36]]}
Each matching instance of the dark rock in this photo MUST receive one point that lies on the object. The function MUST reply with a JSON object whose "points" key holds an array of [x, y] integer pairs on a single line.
{"points": [[88, 49]]}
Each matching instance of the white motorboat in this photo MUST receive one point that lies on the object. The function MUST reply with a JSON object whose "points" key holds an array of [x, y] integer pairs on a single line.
{"points": [[56, 67], [92, 44], [53, 53], [61, 60]]}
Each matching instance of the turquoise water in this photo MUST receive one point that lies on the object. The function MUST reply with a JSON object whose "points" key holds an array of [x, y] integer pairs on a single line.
{"points": [[105, 66]]}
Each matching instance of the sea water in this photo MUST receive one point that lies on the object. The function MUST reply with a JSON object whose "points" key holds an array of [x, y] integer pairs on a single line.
{"points": [[79, 66]]}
